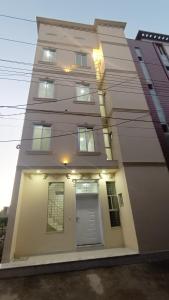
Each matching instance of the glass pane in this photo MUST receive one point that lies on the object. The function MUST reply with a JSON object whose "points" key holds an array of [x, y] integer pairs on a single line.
{"points": [[37, 134], [108, 153], [102, 111], [90, 140], [48, 55], [55, 206], [42, 89], [106, 140], [114, 218], [78, 59], [84, 60], [110, 188], [110, 202], [82, 139], [86, 187], [45, 142], [49, 89], [115, 202], [82, 92]]}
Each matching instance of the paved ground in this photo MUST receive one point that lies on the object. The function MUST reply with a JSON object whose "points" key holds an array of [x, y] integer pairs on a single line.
{"points": [[133, 282]]}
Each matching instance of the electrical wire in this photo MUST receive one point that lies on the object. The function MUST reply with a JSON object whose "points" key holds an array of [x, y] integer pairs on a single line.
{"points": [[71, 133]]}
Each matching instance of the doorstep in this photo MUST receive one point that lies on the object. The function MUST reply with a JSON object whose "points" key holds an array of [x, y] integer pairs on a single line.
{"points": [[66, 257]]}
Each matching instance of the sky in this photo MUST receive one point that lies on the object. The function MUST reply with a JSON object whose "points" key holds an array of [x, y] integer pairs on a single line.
{"points": [[146, 15]]}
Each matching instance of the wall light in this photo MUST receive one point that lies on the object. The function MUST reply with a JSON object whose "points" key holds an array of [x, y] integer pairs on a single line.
{"points": [[73, 171], [38, 171], [65, 161], [97, 55]]}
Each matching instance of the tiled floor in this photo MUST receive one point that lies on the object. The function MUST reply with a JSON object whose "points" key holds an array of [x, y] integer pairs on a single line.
{"points": [[68, 257]]}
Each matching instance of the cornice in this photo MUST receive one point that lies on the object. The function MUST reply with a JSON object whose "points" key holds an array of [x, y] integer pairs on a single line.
{"points": [[80, 26]]}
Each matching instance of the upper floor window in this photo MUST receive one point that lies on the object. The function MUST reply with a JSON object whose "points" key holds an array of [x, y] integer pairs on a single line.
{"points": [[48, 55], [86, 139], [81, 59], [46, 89], [41, 137], [83, 92]]}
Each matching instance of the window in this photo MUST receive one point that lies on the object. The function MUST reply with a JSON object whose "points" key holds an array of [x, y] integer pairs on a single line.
{"points": [[113, 204], [86, 187], [48, 55], [41, 137], [81, 59], [83, 92], [107, 143], [55, 220], [46, 89], [86, 139]]}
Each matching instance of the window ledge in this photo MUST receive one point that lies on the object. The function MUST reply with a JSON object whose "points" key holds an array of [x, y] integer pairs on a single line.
{"points": [[82, 67], [38, 152], [46, 62], [45, 99], [94, 153], [84, 102]]}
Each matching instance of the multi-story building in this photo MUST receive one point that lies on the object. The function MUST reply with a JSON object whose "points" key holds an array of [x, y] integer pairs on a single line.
{"points": [[90, 170], [150, 53]]}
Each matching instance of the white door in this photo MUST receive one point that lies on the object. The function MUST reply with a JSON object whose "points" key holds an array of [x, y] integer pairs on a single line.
{"points": [[87, 219]]}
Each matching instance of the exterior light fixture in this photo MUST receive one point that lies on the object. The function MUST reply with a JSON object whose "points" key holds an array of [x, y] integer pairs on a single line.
{"points": [[103, 171], [97, 55], [38, 171], [73, 171], [65, 162]]}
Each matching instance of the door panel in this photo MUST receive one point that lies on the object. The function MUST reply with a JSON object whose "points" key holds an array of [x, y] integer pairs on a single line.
{"points": [[87, 220]]}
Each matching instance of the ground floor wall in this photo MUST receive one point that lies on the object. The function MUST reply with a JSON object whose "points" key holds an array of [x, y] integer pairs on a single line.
{"points": [[32, 237]]}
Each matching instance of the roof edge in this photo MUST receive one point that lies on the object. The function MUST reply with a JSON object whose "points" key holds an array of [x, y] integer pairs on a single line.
{"points": [[76, 25]]}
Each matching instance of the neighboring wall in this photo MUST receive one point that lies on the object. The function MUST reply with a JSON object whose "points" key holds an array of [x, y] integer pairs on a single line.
{"points": [[136, 146], [160, 78]]}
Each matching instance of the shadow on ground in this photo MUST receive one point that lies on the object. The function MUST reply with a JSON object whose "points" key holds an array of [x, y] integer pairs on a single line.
{"points": [[132, 282]]}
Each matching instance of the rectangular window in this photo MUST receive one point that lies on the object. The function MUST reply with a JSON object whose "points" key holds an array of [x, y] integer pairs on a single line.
{"points": [[113, 204], [46, 89], [41, 138], [48, 55], [86, 139], [55, 220], [82, 92], [81, 59], [86, 187]]}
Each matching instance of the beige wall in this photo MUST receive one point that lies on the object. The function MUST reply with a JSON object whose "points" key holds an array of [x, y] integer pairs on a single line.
{"points": [[142, 177], [32, 237]]}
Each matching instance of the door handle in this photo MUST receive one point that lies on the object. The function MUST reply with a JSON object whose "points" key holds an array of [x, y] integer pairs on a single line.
{"points": [[77, 219]]}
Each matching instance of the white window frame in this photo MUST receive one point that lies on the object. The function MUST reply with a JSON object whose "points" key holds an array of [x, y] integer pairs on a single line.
{"points": [[81, 59], [48, 60], [85, 131], [41, 138], [81, 97], [46, 94]]}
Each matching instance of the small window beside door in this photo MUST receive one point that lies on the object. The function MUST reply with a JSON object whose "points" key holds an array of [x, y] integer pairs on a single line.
{"points": [[113, 204], [55, 221]]}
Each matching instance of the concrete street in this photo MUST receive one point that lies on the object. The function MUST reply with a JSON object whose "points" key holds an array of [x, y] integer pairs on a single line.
{"points": [[130, 282]]}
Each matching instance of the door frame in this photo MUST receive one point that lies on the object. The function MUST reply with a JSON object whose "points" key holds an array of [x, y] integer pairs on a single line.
{"points": [[99, 215]]}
